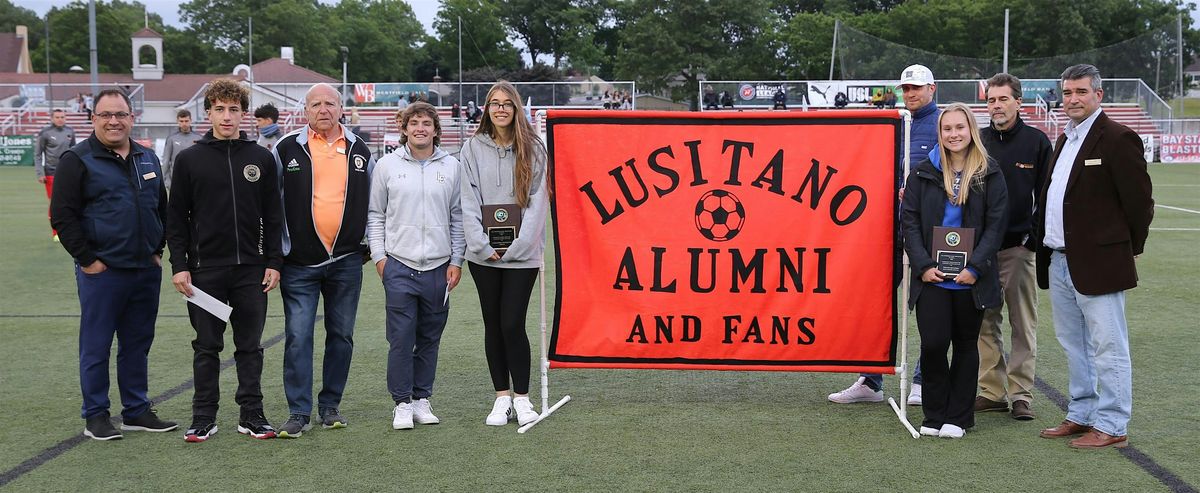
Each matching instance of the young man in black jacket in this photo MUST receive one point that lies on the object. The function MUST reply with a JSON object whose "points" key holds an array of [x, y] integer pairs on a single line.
{"points": [[224, 230]]}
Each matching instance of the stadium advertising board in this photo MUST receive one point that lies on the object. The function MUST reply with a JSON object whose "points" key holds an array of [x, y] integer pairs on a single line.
{"points": [[16, 150], [386, 92], [729, 241], [1179, 148]]}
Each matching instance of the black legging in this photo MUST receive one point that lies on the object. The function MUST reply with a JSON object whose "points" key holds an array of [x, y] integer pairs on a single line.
{"points": [[504, 300]]}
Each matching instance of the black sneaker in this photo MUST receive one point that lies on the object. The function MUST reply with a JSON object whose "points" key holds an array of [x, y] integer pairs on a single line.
{"points": [[99, 427], [202, 428], [332, 419], [147, 421], [295, 426], [253, 423]]}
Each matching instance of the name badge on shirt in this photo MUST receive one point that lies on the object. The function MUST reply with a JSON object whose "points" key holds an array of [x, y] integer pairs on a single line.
{"points": [[1091, 162], [149, 176], [1024, 166], [341, 150]]}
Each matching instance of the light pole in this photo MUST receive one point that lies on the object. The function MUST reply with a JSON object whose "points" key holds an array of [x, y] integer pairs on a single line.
{"points": [[345, 58]]}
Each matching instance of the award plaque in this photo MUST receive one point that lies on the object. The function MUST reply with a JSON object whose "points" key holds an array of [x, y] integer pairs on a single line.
{"points": [[502, 222], [952, 249]]}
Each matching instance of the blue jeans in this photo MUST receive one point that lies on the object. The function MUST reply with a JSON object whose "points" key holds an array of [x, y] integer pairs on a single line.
{"points": [[1095, 337], [875, 380], [417, 310], [340, 282], [121, 302]]}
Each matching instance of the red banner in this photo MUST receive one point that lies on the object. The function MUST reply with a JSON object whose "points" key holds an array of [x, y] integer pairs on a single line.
{"points": [[728, 241]]}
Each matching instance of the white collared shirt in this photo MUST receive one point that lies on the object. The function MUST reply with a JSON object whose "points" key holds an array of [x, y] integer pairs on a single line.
{"points": [[1054, 237]]}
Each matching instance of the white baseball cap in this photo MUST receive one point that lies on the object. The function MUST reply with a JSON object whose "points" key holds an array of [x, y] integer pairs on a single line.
{"points": [[917, 75]]}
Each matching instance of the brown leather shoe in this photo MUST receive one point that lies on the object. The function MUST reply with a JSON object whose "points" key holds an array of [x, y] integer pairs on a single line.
{"points": [[1098, 439], [1065, 429], [983, 405], [1021, 411]]}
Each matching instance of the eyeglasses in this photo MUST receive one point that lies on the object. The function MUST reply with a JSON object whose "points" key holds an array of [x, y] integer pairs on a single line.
{"points": [[501, 106], [108, 115]]}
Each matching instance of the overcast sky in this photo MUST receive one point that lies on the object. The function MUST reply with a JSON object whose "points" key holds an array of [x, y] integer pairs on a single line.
{"points": [[425, 9]]}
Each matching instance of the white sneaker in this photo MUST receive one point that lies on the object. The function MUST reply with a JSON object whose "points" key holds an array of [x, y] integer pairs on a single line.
{"points": [[951, 431], [422, 412], [914, 396], [857, 393], [930, 432], [500, 411], [402, 416], [524, 409]]}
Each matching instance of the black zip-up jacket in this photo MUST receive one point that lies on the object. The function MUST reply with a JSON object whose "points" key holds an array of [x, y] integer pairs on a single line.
{"points": [[1023, 154], [924, 207], [224, 206], [302, 244]]}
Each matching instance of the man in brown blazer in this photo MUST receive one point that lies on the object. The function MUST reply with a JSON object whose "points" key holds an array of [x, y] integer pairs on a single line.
{"points": [[1093, 217]]}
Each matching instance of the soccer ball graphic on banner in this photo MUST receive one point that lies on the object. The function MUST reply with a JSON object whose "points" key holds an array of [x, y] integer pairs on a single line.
{"points": [[719, 215]]}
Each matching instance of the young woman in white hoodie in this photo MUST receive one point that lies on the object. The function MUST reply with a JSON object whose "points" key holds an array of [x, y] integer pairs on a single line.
{"points": [[505, 163]]}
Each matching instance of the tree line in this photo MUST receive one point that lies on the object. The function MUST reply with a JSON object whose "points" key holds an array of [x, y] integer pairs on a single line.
{"points": [[664, 45]]}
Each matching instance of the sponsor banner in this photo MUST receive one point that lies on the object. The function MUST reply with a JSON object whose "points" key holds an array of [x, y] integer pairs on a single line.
{"points": [[1147, 148], [386, 92], [727, 241], [1179, 148], [16, 150], [859, 92]]}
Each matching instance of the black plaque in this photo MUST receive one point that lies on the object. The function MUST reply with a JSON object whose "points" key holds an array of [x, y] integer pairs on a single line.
{"points": [[952, 249], [502, 222]]}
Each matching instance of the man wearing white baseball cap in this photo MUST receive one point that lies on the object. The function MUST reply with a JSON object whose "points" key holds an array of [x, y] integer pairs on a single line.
{"points": [[918, 86]]}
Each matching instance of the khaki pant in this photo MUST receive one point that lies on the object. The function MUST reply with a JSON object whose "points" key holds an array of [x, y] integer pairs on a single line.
{"points": [[1018, 281]]}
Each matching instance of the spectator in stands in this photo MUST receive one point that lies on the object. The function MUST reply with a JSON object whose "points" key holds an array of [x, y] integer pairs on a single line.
{"points": [[473, 112], [76, 104], [711, 101], [607, 100], [954, 187], [889, 98], [1051, 100], [267, 119], [109, 206], [1023, 154], [918, 87], [779, 99], [415, 231], [877, 100], [841, 100], [726, 100], [455, 111], [504, 164], [182, 138], [50, 145], [627, 102]]}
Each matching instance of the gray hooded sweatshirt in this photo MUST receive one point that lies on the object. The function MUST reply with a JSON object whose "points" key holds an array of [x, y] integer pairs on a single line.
{"points": [[50, 145], [487, 179], [415, 215]]}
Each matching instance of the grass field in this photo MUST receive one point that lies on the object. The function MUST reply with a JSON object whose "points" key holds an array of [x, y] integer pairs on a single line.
{"points": [[623, 430]]}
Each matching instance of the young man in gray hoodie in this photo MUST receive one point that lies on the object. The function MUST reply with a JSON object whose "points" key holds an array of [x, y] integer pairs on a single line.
{"points": [[415, 230]]}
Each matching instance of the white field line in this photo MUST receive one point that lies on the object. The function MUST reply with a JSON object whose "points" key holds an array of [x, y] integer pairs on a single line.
{"points": [[1174, 229], [1181, 209]]}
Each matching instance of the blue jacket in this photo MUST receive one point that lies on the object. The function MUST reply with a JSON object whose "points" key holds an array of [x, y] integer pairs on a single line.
{"points": [[108, 208], [923, 135]]}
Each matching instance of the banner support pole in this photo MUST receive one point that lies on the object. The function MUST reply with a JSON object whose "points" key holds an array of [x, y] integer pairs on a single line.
{"points": [[901, 409], [545, 355]]}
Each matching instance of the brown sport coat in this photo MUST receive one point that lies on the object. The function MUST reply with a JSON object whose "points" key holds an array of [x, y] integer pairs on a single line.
{"points": [[1107, 210]]}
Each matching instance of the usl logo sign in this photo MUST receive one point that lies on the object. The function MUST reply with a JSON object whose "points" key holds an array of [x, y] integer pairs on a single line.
{"points": [[734, 241]]}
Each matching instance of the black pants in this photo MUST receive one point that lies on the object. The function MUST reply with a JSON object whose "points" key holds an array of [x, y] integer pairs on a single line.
{"points": [[241, 287], [947, 319], [504, 300]]}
